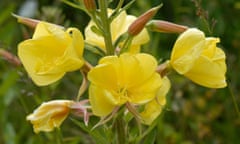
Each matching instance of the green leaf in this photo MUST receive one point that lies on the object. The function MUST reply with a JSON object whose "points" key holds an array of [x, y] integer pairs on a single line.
{"points": [[98, 135]]}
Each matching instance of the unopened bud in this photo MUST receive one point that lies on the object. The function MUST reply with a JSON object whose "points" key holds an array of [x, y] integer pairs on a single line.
{"points": [[10, 57], [165, 26], [90, 5], [137, 26], [27, 21], [32, 23]]}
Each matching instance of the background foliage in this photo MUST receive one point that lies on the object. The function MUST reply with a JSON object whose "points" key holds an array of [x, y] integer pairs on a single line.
{"points": [[193, 115]]}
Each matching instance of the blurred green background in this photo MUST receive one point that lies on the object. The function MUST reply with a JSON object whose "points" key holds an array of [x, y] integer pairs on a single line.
{"points": [[193, 115]]}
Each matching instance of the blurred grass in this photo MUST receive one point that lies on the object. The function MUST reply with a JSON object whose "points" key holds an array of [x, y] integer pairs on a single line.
{"points": [[194, 115]]}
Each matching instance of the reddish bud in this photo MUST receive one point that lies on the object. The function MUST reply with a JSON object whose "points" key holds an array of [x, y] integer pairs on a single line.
{"points": [[32, 23], [137, 26], [10, 57], [27, 21], [165, 26], [90, 5]]}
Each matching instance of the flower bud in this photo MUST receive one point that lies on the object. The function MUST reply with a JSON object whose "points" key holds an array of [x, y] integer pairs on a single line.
{"points": [[32, 23], [137, 26], [10, 57], [90, 5], [165, 26]]}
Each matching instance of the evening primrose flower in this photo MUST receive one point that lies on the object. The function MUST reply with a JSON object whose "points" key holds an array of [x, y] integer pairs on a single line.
{"points": [[125, 79], [154, 108], [118, 26], [49, 115], [199, 59], [51, 53]]}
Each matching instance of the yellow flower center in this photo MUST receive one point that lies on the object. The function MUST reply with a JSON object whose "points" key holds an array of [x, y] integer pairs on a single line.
{"points": [[123, 95]]}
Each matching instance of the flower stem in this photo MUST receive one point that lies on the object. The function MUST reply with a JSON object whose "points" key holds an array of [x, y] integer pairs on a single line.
{"points": [[119, 128], [234, 100], [103, 5], [59, 137]]}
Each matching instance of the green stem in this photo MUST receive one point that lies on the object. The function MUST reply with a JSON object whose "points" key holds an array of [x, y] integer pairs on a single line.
{"points": [[234, 100], [119, 127], [126, 44], [59, 137], [119, 6], [103, 5], [121, 136]]}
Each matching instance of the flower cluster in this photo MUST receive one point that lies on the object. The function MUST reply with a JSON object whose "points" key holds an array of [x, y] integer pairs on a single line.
{"points": [[124, 78]]}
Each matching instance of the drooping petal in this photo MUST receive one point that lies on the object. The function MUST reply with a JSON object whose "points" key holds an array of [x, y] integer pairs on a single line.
{"points": [[153, 109], [187, 49], [204, 64], [209, 72]]}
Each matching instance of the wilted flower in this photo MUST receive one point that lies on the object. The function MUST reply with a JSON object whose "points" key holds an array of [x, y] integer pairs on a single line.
{"points": [[118, 26], [124, 79], [51, 53], [154, 108], [199, 59], [50, 115]]}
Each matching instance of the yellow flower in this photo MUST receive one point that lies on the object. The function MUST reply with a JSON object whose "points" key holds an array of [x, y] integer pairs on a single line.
{"points": [[117, 80], [118, 26], [199, 59], [49, 115], [154, 108], [51, 53]]}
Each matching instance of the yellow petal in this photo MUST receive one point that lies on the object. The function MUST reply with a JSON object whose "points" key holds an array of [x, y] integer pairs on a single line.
{"points": [[51, 53], [92, 38], [187, 49], [209, 72], [104, 75], [202, 61], [37, 58], [135, 69], [127, 78], [153, 109], [146, 91], [77, 41], [101, 100], [49, 115], [46, 29], [119, 25]]}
